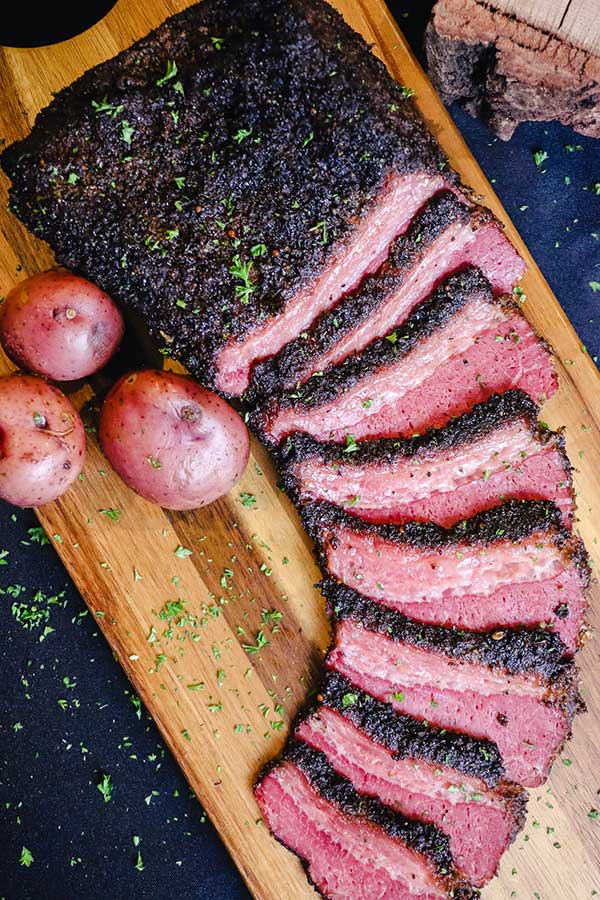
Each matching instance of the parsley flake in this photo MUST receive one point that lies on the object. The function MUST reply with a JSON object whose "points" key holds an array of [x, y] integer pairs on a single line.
{"points": [[241, 271], [26, 857], [105, 786], [169, 74], [127, 132], [183, 552]]}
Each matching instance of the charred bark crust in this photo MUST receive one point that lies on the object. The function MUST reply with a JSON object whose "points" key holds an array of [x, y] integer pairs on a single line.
{"points": [[483, 419], [425, 839], [513, 520], [277, 117], [534, 652], [405, 736]]}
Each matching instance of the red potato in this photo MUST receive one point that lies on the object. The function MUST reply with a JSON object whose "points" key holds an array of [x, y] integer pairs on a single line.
{"points": [[59, 325], [171, 440], [42, 441]]}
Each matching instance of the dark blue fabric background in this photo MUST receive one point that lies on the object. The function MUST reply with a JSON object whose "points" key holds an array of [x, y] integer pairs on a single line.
{"points": [[52, 758]]}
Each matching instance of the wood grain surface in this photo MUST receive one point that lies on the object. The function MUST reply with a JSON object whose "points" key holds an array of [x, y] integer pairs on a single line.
{"points": [[248, 560], [574, 21]]}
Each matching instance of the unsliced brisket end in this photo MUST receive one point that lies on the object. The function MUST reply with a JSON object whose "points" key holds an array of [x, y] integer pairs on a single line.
{"points": [[445, 237], [228, 176], [456, 349], [493, 453], [511, 687], [512, 565], [353, 845], [479, 823]]}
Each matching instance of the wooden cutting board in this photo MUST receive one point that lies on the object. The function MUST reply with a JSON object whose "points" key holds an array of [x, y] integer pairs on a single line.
{"points": [[221, 701]]}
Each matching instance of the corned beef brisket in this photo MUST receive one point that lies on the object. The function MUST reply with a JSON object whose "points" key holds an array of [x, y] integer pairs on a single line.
{"points": [[251, 182]]}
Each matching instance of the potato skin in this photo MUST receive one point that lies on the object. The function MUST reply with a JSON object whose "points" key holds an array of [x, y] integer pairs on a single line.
{"points": [[42, 441], [171, 440], [59, 325]]}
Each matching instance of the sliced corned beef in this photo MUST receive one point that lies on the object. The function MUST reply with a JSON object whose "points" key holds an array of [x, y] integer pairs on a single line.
{"points": [[493, 453], [512, 565], [455, 350], [360, 254], [405, 736], [511, 687], [447, 236], [363, 741], [351, 844]]}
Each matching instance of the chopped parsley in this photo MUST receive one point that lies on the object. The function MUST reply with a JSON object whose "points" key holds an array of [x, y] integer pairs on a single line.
{"points": [[169, 74], [113, 514], [26, 857], [105, 786], [261, 641], [241, 271], [127, 132], [351, 445], [107, 109], [241, 134], [37, 535], [183, 552], [271, 617], [321, 227]]}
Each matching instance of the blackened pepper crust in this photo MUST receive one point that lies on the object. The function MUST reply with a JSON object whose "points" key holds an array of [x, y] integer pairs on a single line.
{"points": [[425, 839], [405, 736], [289, 367], [513, 520], [482, 420], [431, 315], [534, 652], [276, 132]]}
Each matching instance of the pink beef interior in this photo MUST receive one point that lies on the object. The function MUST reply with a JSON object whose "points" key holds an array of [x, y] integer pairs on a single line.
{"points": [[346, 858], [477, 821], [463, 696], [366, 249], [447, 486], [479, 353], [459, 246], [479, 588]]}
